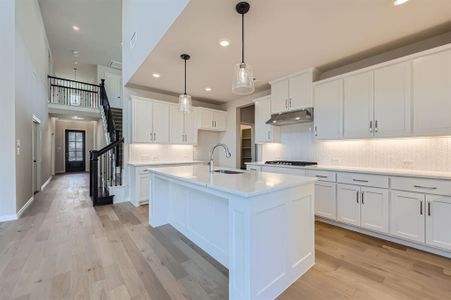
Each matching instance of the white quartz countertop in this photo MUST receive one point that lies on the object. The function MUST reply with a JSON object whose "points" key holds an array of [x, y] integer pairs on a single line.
{"points": [[246, 184], [378, 171], [164, 163]]}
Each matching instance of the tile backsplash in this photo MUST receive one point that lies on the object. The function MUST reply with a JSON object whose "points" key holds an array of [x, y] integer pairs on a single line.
{"points": [[167, 153], [298, 143]]}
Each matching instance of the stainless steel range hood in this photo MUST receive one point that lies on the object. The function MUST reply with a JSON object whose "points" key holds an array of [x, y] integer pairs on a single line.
{"points": [[292, 117]]}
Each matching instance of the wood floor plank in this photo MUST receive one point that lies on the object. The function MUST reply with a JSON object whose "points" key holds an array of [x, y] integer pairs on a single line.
{"points": [[63, 248]]}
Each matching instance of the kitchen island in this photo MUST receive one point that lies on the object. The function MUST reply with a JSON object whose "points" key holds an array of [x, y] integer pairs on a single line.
{"points": [[258, 225]]}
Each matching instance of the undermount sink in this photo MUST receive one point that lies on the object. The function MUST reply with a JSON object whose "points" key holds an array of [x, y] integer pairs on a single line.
{"points": [[228, 172]]}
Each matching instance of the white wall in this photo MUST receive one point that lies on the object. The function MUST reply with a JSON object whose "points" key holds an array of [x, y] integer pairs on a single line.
{"points": [[85, 72], [149, 21], [31, 69], [89, 127], [7, 111]]}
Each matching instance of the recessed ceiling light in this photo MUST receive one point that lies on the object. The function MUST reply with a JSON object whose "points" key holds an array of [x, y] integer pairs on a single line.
{"points": [[208, 89], [77, 118], [224, 42], [156, 75], [76, 28], [75, 52], [400, 2], [75, 62]]}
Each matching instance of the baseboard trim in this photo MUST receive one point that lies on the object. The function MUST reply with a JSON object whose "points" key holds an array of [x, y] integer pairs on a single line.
{"points": [[46, 183], [7, 218], [26, 205], [387, 237]]}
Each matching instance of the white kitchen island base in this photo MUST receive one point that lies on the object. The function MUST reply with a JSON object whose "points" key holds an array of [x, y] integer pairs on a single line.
{"points": [[265, 237]]}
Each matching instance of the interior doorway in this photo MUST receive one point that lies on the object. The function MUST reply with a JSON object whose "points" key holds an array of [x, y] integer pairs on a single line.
{"points": [[246, 144], [36, 155], [75, 144]]}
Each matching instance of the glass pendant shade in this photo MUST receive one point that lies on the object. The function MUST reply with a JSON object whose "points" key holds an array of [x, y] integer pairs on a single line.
{"points": [[243, 79], [185, 103]]}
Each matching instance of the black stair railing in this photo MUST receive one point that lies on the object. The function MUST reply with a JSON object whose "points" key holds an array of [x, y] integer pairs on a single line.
{"points": [[73, 93], [105, 171], [111, 128], [106, 163]]}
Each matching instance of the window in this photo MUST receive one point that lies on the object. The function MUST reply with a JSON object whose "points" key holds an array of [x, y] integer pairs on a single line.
{"points": [[75, 150]]}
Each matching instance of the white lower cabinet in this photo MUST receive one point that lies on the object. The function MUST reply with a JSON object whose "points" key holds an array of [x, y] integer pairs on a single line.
{"points": [[374, 209], [407, 215], [348, 204], [438, 221], [326, 200], [363, 206]]}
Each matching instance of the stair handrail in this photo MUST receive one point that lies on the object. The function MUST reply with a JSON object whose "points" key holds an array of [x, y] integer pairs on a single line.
{"points": [[105, 104]]}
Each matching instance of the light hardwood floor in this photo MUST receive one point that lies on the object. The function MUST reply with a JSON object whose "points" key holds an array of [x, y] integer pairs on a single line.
{"points": [[62, 248]]}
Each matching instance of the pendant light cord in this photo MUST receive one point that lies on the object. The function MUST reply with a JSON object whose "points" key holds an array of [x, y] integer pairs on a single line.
{"points": [[185, 76], [242, 38]]}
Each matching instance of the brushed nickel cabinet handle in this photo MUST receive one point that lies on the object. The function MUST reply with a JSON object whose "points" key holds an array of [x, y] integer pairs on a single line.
{"points": [[357, 196], [363, 201], [425, 187], [359, 180], [371, 126], [421, 207], [321, 176], [429, 209]]}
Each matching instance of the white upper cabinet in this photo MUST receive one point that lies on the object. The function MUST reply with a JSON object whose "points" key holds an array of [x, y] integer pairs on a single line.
{"points": [[432, 94], [279, 96], [211, 119], [150, 121], [182, 126], [438, 221], [329, 110], [142, 112], [292, 93], [264, 133], [300, 91], [358, 105], [160, 118], [392, 100]]}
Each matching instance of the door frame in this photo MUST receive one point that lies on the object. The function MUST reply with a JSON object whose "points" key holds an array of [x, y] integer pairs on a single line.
{"points": [[36, 154], [66, 145]]}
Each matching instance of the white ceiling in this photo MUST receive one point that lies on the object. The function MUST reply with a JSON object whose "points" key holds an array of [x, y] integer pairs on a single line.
{"points": [[99, 38], [282, 37]]}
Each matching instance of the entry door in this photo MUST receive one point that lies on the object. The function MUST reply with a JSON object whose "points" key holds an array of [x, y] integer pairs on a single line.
{"points": [[75, 151]]}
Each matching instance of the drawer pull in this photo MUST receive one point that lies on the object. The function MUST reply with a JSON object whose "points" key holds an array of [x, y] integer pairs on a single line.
{"points": [[359, 180], [321, 176], [425, 187]]}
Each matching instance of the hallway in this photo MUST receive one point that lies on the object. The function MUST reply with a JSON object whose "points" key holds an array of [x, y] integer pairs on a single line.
{"points": [[62, 248]]}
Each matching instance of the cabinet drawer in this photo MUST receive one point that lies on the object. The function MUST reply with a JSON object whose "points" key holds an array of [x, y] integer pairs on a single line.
{"points": [[363, 179], [323, 175], [428, 186], [281, 170], [253, 168]]}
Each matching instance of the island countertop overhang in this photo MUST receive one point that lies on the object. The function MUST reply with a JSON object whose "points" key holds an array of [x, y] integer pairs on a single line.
{"points": [[247, 184]]}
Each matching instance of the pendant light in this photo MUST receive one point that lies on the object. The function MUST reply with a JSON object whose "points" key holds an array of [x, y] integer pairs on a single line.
{"points": [[243, 77], [185, 102]]}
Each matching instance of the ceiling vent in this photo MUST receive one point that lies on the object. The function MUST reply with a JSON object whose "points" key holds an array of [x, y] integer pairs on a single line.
{"points": [[115, 65]]}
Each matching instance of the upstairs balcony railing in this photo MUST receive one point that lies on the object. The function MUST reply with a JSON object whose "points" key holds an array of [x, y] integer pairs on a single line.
{"points": [[73, 93]]}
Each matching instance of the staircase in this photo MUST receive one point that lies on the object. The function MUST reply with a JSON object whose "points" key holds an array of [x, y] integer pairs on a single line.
{"points": [[117, 119], [106, 163]]}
